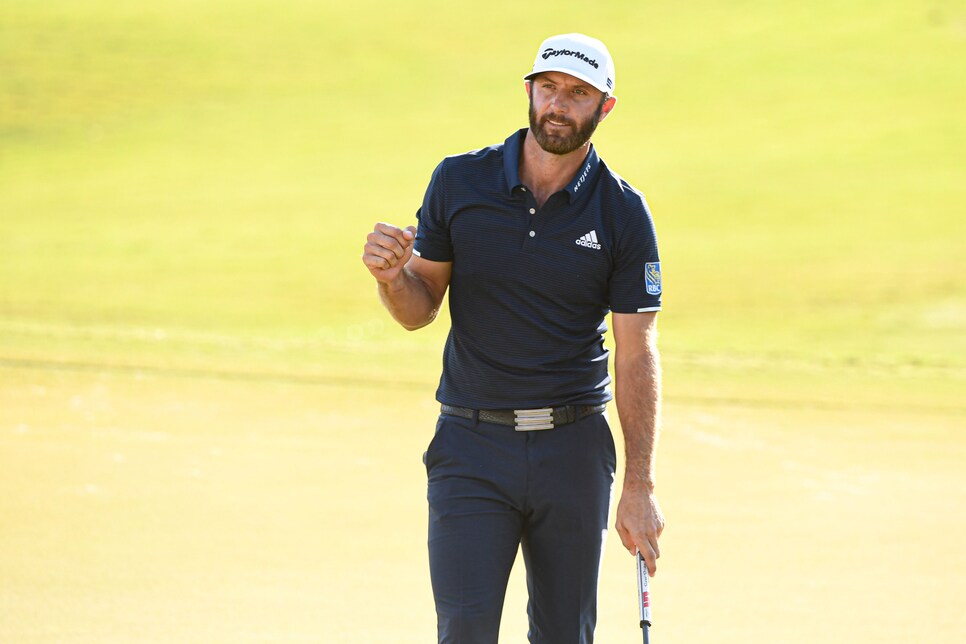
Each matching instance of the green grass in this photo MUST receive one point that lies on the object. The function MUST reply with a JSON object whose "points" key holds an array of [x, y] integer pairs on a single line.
{"points": [[212, 166], [185, 189]]}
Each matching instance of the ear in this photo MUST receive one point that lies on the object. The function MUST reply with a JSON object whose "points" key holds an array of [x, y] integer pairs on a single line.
{"points": [[608, 106], [528, 85]]}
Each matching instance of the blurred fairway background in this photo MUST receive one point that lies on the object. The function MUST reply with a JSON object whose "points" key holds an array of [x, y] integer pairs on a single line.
{"points": [[211, 432]]}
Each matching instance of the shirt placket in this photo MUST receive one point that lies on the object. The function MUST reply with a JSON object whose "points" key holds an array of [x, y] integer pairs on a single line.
{"points": [[532, 233]]}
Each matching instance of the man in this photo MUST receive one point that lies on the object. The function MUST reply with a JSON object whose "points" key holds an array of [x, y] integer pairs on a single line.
{"points": [[536, 240]]}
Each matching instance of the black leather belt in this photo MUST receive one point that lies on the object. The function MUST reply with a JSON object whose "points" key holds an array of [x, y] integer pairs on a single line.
{"points": [[525, 420]]}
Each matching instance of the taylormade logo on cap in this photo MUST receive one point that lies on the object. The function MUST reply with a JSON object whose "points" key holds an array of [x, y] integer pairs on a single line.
{"points": [[550, 51], [580, 56]]}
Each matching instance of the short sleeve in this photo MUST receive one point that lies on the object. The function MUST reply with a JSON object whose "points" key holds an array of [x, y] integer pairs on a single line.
{"points": [[432, 231], [635, 285]]}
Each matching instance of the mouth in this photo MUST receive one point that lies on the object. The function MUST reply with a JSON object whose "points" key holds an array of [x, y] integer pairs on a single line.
{"points": [[557, 122]]}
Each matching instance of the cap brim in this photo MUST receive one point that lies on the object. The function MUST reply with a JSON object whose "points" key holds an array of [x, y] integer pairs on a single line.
{"points": [[569, 72]]}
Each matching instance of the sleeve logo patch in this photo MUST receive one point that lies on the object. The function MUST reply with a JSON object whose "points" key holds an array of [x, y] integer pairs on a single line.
{"points": [[652, 277]]}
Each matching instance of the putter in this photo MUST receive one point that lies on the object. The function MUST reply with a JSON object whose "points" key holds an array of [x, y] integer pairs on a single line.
{"points": [[643, 595]]}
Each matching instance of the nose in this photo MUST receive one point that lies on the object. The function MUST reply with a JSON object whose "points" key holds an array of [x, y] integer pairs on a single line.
{"points": [[559, 102]]}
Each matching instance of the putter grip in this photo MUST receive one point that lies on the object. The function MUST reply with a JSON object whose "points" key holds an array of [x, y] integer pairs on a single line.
{"points": [[643, 591]]}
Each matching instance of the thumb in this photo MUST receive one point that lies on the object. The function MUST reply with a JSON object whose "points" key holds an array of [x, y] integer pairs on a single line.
{"points": [[409, 243]]}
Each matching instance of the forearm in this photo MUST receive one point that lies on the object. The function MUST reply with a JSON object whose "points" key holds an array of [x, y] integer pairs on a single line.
{"points": [[409, 300], [638, 385]]}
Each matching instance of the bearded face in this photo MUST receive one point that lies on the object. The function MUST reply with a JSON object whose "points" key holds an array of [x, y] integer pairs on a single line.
{"points": [[559, 133]]}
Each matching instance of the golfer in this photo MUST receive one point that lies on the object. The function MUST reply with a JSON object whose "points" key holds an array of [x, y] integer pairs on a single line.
{"points": [[536, 239]]}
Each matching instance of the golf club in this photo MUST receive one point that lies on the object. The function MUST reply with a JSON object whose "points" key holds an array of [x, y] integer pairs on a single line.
{"points": [[643, 595]]}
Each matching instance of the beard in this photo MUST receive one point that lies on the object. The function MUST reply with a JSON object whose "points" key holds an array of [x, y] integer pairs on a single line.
{"points": [[563, 144]]}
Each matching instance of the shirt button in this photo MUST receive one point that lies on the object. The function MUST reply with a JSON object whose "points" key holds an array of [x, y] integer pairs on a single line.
{"points": [[533, 211], [523, 188], [533, 234]]}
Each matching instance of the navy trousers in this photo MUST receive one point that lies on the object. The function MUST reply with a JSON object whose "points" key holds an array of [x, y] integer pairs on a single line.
{"points": [[491, 490]]}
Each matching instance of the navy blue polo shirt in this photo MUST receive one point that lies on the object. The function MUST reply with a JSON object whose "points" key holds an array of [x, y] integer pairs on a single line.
{"points": [[531, 286]]}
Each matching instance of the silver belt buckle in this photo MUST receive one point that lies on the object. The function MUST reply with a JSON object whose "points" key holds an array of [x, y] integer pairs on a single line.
{"points": [[527, 420]]}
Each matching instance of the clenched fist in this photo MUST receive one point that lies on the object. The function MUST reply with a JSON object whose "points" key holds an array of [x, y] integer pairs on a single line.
{"points": [[387, 250]]}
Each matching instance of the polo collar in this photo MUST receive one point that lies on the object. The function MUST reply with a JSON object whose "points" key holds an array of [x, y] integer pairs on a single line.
{"points": [[582, 180], [512, 148]]}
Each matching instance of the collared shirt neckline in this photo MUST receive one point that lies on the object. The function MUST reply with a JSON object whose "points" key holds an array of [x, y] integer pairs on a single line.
{"points": [[512, 149]]}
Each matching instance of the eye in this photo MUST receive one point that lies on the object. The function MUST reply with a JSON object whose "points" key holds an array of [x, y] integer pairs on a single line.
{"points": [[580, 92]]}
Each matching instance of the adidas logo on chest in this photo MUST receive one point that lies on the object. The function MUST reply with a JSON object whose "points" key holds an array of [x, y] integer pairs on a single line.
{"points": [[589, 240]]}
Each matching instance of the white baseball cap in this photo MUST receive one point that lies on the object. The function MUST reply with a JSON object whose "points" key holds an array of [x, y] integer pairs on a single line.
{"points": [[578, 55]]}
